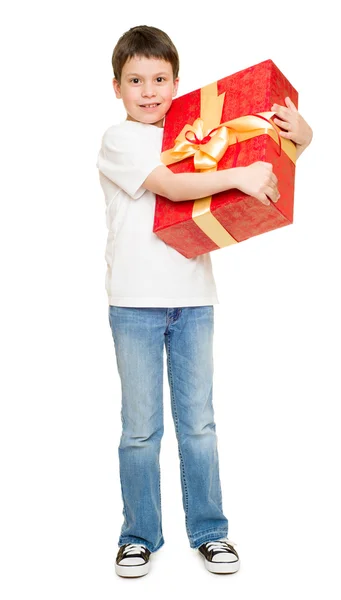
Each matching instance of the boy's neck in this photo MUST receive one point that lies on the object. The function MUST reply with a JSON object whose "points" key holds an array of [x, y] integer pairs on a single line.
{"points": [[158, 124]]}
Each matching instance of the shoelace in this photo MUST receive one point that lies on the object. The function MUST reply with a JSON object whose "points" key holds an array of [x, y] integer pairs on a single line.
{"points": [[220, 545], [133, 547]]}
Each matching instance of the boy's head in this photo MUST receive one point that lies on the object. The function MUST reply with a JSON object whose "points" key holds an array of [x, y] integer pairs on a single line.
{"points": [[146, 66]]}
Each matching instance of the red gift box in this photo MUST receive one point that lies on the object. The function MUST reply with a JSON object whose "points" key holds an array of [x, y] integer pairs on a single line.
{"points": [[200, 226]]}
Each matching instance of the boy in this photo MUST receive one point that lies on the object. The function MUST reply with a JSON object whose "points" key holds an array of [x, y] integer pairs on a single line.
{"points": [[158, 298]]}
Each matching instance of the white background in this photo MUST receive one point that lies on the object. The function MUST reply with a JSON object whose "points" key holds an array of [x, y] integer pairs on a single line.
{"points": [[277, 327]]}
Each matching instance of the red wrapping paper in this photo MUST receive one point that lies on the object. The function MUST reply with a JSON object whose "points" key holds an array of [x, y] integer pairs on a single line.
{"points": [[251, 90]]}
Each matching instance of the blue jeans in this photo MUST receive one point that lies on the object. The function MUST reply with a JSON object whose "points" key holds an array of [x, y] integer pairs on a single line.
{"points": [[139, 336]]}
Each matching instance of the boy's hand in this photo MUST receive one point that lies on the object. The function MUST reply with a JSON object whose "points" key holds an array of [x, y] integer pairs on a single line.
{"points": [[296, 128], [259, 181]]}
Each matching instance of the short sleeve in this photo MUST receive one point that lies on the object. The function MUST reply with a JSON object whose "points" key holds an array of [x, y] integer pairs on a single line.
{"points": [[129, 154]]}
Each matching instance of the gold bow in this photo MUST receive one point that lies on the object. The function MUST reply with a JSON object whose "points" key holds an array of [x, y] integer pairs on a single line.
{"points": [[207, 155]]}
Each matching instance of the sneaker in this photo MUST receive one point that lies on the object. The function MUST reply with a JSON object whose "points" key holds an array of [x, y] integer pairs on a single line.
{"points": [[132, 560], [220, 556]]}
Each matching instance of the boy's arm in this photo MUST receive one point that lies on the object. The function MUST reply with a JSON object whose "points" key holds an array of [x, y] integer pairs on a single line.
{"points": [[256, 180]]}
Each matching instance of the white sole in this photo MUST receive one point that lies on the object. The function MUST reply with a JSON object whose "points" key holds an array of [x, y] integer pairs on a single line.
{"points": [[132, 570], [222, 567]]}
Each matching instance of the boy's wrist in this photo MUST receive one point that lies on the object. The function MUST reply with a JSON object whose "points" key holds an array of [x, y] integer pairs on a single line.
{"points": [[301, 147], [235, 174]]}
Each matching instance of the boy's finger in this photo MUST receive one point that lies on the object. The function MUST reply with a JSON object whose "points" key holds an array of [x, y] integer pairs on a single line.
{"points": [[290, 104], [281, 111], [286, 134], [274, 178], [283, 124], [271, 193], [263, 199]]}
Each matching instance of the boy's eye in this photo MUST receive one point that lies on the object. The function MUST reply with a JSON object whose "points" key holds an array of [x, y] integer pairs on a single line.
{"points": [[137, 80]]}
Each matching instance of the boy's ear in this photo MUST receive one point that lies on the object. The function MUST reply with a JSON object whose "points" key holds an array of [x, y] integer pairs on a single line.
{"points": [[117, 88], [175, 86]]}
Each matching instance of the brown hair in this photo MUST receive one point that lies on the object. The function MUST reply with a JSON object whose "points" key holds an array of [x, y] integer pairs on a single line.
{"points": [[146, 41]]}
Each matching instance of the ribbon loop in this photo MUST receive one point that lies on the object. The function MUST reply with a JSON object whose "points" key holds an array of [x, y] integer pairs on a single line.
{"points": [[191, 141]]}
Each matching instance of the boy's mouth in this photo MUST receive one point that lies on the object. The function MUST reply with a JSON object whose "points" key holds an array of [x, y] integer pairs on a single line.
{"points": [[151, 105]]}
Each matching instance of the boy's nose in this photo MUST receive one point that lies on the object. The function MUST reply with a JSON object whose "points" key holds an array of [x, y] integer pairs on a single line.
{"points": [[148, 92]]}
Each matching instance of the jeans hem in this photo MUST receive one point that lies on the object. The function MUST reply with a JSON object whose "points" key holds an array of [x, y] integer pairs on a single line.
{"points": [[210, 535], [135, 540]]}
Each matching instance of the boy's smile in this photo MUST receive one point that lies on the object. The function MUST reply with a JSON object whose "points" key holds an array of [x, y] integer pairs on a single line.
{"points": [[147, 89]]}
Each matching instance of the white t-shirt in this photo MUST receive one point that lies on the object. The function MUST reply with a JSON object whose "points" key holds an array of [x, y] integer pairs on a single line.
{"points": [[142, 270]]}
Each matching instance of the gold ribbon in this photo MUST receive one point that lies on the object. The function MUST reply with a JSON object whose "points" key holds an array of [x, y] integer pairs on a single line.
{"points": [[207, 155]]}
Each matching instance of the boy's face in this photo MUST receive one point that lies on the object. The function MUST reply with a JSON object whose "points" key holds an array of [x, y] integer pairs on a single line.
{"points": [[147, 89]]}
